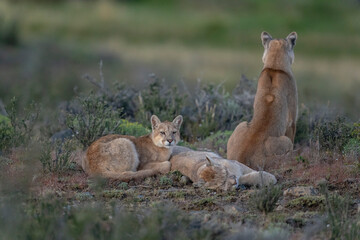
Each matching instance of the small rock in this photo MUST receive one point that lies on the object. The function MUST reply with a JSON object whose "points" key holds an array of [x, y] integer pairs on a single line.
{"points": [[300, 191], [279, 208], [207, 217], [184, 180]]}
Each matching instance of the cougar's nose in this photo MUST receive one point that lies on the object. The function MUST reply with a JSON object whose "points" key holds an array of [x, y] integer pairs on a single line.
{"points": [[170, 140]]}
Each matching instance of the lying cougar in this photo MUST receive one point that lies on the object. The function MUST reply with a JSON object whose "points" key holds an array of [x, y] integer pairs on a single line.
{"points": [[127, 157], [215, 172]]}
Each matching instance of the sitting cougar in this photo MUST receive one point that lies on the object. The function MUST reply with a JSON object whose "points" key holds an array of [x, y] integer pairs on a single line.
{"points": [[272, 128], [126, 157]]}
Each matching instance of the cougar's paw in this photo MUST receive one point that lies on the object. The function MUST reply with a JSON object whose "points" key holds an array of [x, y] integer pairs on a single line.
{"points": [[199, 183]]}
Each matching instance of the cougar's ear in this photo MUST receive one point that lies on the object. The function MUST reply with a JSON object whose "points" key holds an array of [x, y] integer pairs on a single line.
{"points": [[265, 38], [291, 38], [209, 163], [232, 180], [178, 121], [155, 121]]}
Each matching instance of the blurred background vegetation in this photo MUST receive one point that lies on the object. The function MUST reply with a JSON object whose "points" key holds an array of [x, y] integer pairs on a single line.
{"points": [[48, 45]]}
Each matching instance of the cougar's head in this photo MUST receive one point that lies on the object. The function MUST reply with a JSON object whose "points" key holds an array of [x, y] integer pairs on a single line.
{"points": [[165, 134], [216, 176], [278, 49]]}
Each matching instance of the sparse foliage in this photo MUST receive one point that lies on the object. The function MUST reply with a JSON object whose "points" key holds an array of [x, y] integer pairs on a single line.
{"points": [[341, 224], [216, 142], [206, 109], [265, 199], [129, 128], [92, 119], [56, 155], [333, 135], [159, 99], [16, 129], [165, 181]]}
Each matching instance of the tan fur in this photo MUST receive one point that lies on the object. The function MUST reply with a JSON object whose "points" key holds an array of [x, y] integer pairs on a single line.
{"points": [[127, 157], [272, 128], [215, 172]]}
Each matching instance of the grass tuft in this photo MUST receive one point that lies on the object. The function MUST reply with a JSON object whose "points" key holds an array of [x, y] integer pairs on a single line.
{"points": [[265, 199]]}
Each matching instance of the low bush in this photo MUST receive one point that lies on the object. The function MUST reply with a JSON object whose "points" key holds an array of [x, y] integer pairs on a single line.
{"points": [[338, 210], [129, 128], [56, 155], [303, 126], [16, 129], [206, 109], [216, 142], [333, 135], [265, 199], [352, 148], [159, 99], [91, 117], [165, 181], [211, 108], [355, 133], [6, 132]]}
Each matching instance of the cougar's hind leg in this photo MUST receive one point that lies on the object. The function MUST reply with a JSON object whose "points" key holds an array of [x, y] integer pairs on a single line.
{"points": [[278, 145], [236, 140], [161, 167]]}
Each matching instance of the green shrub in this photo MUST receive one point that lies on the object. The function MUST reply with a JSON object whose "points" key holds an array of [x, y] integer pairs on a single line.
{"points": [[165, 181], [303, 126], [123, 186], [355, 133], [352, 148], [56, 155], [333, 135], [133, 129], [216, 142], [211, 108], [341, 224], [6, 132], [303, 160], [206, 109], [159, 99], [113, 193], [91, 117], [265, 199], [307, 202], [16, 129]]}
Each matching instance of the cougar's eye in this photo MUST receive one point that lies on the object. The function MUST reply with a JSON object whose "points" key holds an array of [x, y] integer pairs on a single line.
{"points": [[174, 132], [162, 133]]}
